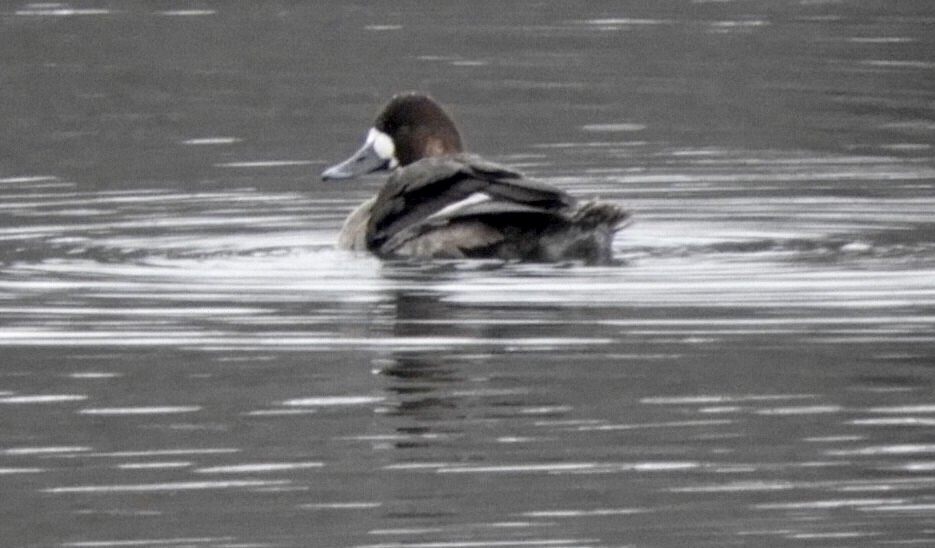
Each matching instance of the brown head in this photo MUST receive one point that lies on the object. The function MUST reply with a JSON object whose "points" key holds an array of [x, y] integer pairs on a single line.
{"points": [[410, 127]]}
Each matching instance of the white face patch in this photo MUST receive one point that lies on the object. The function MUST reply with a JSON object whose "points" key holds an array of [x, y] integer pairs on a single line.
{"points": [[383, 145]]}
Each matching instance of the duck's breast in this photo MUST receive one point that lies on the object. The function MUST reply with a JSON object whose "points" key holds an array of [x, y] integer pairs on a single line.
{"points": [[353, 235]]}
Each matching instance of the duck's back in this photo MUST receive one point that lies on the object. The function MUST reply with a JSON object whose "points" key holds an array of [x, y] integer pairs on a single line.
{"points": [[460, 205]]}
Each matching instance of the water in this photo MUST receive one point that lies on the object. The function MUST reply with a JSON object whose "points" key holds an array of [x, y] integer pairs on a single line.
{"points": [[187, 361]]}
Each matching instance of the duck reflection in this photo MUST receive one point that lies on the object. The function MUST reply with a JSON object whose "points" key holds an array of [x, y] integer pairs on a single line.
{"points": [[458, 370], [421, 381], [430, 385]]}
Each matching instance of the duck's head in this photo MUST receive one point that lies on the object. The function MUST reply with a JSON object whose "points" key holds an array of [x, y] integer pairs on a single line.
{"points": [[410, 127]]}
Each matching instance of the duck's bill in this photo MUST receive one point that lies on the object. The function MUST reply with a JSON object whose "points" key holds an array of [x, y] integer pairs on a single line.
{"points": [[366, 160]]}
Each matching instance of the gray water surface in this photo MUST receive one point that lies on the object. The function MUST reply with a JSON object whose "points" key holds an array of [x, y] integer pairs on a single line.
{"points": [[186, 360]]}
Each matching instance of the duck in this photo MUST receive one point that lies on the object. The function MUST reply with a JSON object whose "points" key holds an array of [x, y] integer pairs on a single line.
{"points": [[441, 202]]}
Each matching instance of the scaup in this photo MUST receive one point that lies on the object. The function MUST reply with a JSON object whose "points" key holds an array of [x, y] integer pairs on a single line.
{"points": [[441, 202]]}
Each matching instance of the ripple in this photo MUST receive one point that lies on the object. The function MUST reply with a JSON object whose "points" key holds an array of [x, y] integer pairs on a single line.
{"points": [[717, 398], [147, 542], [577, 513], [259, 467], [827, 504], [42, 398], [571, 468], [29, 179], [483, 543], [332, 401], [169, 486], [152, 410], [755, 486], [900, 421], [166, 465], [383, 27], [94, 375], [168, 452], [4, 471], [187, 13], [58, 10], [801, 410], [269, 163], [894, 449], [201, 141], [355, 505], [613, 127], [614, 22], [52, 450], [902, 409], [641, 426]]}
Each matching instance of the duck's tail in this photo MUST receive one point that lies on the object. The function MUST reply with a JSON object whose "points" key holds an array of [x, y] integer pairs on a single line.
{"points": [[587, 234], [595, 215]]}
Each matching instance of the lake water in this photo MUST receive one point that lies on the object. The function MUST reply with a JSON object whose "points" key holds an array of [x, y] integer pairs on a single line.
{"points": [[187, 362]]}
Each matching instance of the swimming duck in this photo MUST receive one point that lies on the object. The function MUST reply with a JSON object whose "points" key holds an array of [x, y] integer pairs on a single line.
{"points": [[441, 202]]}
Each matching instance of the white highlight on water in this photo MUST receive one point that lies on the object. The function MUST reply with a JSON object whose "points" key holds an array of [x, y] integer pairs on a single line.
{"points": [[51, 450], [268, 163], [212, 141], [187, 13], [155, 410], [43, 398], [167, 452], [154, 465], [94, 375], [55, 9], [570, 513], [146, 542], [330, 401], [259, 467], [169, 486], [619, 127], [13, 471], [362, 505], [482, 543]]}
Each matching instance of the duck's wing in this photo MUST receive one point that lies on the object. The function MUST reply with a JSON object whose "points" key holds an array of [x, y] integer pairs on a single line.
{"points": [[473, 227], [439, 189]]}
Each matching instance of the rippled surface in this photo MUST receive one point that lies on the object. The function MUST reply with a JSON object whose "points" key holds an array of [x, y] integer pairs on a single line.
{"points": [[187, 361]]}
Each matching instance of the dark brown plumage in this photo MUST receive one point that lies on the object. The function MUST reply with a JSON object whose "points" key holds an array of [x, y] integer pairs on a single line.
{"points": [[440, 202]]}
